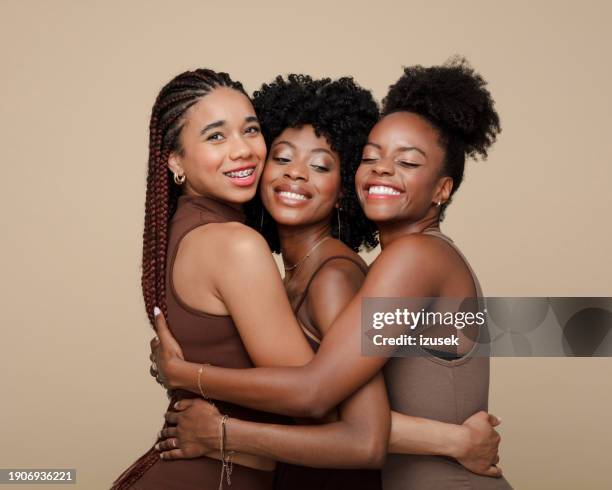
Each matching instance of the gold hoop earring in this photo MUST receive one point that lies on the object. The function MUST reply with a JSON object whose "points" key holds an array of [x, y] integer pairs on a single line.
{"points": [[339, 223], [179, 179]]}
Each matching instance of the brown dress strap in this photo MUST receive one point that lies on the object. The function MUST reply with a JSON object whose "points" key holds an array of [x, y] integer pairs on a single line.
{"points": [[437, 233]]}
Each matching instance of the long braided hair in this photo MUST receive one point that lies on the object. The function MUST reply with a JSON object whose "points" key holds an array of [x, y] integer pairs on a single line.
{"points": [[167, 121]]}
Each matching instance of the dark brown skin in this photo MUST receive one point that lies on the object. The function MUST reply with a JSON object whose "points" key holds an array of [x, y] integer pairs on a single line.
{"points": [[338, 368]]}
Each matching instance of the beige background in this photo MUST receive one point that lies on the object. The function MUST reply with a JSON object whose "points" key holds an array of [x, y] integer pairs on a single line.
{"points": [[79, 79]]}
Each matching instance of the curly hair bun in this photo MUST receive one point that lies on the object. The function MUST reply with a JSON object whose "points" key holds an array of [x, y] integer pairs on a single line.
{"points": [[453, 98]]}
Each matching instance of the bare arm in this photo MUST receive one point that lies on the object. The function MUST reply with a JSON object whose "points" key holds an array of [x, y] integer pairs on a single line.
{"points": [[474, 444], [357, 440], [227, 269], [338, 369], [415, 435], [247, 280]]}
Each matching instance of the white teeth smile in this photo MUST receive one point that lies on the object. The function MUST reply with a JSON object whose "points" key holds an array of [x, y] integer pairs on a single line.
{"points": [[241, 174], [292, 195], [382, 190]]}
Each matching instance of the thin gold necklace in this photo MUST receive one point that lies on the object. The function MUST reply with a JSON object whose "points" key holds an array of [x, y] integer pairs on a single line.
{"points": [[303, 259]]}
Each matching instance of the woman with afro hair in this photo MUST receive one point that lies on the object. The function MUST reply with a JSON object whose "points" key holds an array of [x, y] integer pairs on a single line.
{"points": [[312, 127]]}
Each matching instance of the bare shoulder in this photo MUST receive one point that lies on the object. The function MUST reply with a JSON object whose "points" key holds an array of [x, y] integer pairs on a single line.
{"points": [[332, 289], [339, 273], [413, 261], [227, 241]]}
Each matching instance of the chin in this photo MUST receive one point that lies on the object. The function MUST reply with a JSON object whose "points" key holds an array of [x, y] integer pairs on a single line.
{"points": [[375, 213], [240, 196], [289, 220]]}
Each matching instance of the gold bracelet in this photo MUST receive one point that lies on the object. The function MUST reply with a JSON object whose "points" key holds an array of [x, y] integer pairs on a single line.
{"points": [[200, 380], [226, 456]]}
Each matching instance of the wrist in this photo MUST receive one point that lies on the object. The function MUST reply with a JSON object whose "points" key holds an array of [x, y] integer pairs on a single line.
{"points": [[208, 433], [176, 374], [460, 442], [233, 431]]}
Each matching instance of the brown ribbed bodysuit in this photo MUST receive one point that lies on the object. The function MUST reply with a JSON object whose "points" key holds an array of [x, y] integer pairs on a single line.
{"points": [[204, 338], [445, 390], [293, 477]]}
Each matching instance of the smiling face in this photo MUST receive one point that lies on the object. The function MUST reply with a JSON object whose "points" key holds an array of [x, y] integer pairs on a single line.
{"points": [[223, 150], [301, 180], [401, 172]]}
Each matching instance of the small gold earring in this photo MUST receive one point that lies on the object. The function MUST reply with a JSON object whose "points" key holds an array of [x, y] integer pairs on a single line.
{"points": [[179, 179]]}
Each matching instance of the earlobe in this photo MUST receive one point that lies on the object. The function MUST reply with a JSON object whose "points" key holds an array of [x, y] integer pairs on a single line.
{"points": [[444, 191], [175, 167]]}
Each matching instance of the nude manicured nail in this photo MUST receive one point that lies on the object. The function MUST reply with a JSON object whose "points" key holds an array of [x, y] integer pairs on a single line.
{"points": [[156, 311]]}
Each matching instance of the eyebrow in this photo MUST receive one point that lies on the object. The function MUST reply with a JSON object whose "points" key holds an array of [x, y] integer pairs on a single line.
{"points": [[217, 124], [284, 142], [412, 148], [322, 150], [401, 148], [314, 150]]}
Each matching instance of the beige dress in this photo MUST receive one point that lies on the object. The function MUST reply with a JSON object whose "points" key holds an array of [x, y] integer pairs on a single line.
{"points": [[445, 390]]}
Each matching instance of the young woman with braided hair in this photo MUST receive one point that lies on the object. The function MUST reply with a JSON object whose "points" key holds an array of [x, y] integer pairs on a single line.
{"points": [[433, 119], [213, 276]]}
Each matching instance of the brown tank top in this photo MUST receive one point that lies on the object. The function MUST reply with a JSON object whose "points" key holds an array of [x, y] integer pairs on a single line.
{"points": [[204, 338], [294, 477], [445, 390]]}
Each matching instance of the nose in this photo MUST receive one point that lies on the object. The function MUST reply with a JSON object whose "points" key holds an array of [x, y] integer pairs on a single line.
{"points": [[296, 170], [384, 166], [240, 149]]}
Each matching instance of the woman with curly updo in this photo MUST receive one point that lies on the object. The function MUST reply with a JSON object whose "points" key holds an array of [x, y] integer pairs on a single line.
{"points": [[314, 130]]}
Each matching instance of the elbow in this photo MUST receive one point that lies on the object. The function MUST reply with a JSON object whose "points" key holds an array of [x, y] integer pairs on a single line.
{"points": [[375, 453], [366, 448], [316, 411], [307, 403], [314, 404]]}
